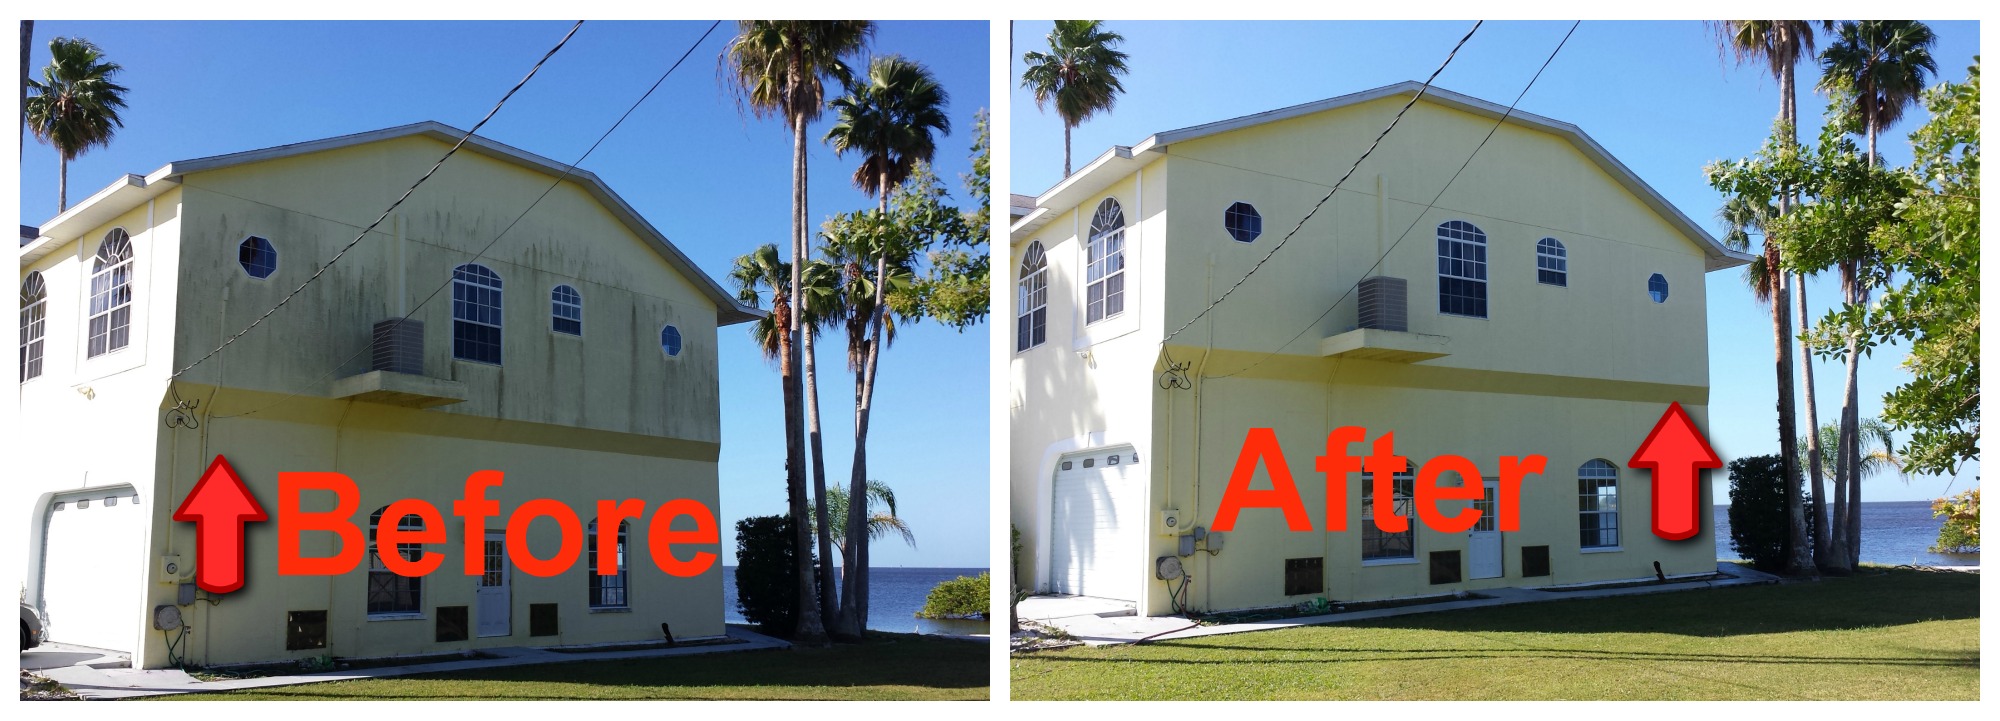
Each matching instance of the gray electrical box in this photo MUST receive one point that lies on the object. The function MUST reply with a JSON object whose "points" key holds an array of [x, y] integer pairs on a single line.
{"points": [[1214, 542], [187, 595], [1187, 544]]}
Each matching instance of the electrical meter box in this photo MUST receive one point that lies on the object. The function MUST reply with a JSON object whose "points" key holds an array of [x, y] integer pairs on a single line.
{"points": [[170, 565], [1170, 522]]}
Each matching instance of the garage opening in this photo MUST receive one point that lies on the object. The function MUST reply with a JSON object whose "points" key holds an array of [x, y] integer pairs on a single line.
{"points": [[92, 545], [1098, 525]]}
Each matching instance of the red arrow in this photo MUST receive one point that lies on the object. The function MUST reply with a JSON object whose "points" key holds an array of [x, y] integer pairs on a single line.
{"points": [[1674, 450], [219, 506]]}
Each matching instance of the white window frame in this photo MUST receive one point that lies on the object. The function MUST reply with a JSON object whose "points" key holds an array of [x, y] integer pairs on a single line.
{"points": [[34, 324], [409, 551], [1551, 256], [1464, 270], [108, 266], [557, 304], [1104, 261], [1591, 501], [624, 575], [498, 306], [1031, 299], [1403, 503]]}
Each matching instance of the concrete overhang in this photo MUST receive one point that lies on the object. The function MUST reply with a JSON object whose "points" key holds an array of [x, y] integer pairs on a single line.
{"points": [[399, 389], [1392, 346]]}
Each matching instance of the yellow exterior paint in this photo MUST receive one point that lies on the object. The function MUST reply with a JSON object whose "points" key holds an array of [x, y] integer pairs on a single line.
{"points": [[1571, 373], [605, 416]]}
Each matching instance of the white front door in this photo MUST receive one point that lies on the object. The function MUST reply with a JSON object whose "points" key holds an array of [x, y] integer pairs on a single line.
{"points": [[495, 598], [1484, 539], [1097, 526]]}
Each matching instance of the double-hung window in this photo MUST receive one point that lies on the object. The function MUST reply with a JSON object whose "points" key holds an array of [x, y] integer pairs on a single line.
{"points": [[1461, 269], [1032, 301], [1104, 292], [1597, 504], [608, 591], [111, 295], [391, 593], [1380, 545], [566, 310], [475, 314], [34, 322]]}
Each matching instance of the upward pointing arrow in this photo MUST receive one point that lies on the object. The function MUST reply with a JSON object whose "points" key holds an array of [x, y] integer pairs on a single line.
{"points": [[1674, 450], [219, 506]]}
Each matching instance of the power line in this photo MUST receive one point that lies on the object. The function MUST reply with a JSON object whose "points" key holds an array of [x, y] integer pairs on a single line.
{"points": [[567, 171], [392, 206], [1420, 214], [1330, 191]]}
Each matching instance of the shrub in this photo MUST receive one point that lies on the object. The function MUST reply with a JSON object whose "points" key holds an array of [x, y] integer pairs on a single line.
{"points": [[1960, 533], [960, 597], [1758, 528], [767, 574]]}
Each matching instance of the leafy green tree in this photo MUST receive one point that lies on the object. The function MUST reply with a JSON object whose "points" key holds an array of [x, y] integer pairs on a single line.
{"points": [[889, 120], [1882, 64], [1960, 532], [1778, 44], [777, 68], [74, 107], [766, 574], [1759, 524], [962, 597], [1079, 74]]}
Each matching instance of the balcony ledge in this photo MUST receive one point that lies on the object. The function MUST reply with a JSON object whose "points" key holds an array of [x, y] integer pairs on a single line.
{"points": [[400, 389], [1375, 344]]}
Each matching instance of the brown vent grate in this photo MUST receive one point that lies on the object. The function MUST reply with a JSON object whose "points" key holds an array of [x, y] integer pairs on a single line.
{"points": [[1304, 576], [1534, 561], [1445, 567], [451, 623], [542, 619], [305, 630]]}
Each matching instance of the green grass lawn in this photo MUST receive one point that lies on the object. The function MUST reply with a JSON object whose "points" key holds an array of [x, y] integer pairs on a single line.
{"points": [[1882, 634], [889, 667]]}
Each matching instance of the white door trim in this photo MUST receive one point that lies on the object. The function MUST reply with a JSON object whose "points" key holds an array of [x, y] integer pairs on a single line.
{"points": [[504, 589], [1486, 541]]}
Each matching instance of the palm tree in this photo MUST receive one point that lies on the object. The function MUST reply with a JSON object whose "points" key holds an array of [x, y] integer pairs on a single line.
{"points": [[1877, 447], [27, 41], [1884, 64], [1778, 44], [889, 120], [824, 306], [75, 105], [1079, 74], [880, 523], [776, 67]]}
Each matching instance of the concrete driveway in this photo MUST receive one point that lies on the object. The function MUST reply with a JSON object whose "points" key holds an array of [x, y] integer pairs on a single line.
{"points": [[59, 655]]}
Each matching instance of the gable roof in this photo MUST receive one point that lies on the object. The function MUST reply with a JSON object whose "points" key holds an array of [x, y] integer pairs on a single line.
{"points": [[130, 190], [1121, 160]]}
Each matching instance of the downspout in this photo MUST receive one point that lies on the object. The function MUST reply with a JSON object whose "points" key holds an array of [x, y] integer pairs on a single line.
{"points": [[1208, 348]]}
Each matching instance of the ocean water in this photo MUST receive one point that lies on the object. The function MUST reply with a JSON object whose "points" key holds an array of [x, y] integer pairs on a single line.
{"points": [[894, 596], [1892, 533]]}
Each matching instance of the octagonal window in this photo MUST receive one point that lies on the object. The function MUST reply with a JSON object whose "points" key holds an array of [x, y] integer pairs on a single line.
{"points": [[1243, 222], [258, 257]]}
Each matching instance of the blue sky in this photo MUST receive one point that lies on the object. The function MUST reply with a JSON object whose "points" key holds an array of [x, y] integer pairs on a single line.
{"points": [[714, 180], [1656, 94]]}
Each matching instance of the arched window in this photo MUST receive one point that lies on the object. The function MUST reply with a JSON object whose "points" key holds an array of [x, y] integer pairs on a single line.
{"points": [[608, 591], [1461, 269], [111, 295], [1656, 286], [34, 317], [1379, 545], [566, 310], [257, 256], [670, 340], [1552, 262], [475, 314], [1104, 291], [1597, 504], [1033, 299], [390, 593]]}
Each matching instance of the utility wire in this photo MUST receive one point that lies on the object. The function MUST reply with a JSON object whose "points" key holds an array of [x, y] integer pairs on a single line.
{"points": [[392, 206], [567, 171], [1330, 191], [1420, 214]]}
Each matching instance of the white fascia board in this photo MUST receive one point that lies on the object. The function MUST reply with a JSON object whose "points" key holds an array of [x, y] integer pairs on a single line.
{"points": [[121, 196]]}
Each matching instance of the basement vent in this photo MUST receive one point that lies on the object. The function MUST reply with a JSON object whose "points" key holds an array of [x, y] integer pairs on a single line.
{"points": [[542, 619], [305, 630], [451, 623], [1303, 576], [1534, 561], [1385, 303], [1445, 567], [399, 346]]}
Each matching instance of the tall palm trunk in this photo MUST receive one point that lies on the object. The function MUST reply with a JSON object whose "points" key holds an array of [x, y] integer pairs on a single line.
{"points": [[828, 604], [27, 42], [1843, 465], [1066, 127], [1799, 562], [1821, 532], [854, 587], [809, 628], [1853, 408]]}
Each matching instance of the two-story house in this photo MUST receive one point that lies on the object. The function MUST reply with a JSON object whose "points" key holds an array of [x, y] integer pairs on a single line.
{"points": [[1548, 302], [571, 348]]}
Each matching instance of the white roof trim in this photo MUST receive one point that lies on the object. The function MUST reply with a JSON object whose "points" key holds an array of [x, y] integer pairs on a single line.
{"points": [[1718, 256], [728, 310]]}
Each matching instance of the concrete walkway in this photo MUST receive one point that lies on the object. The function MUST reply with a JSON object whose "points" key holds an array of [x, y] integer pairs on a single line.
{"points": [[1101, 631], [94, 684], [59, 655]]}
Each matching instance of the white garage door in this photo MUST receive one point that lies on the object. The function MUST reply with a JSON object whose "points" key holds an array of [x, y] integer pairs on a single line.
{"points": [[91, 551], [1098, 524]]}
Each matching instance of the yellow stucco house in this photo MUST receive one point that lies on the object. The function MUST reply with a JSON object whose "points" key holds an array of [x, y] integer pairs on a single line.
{"points": [[1550, 303], [576, 355]]}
